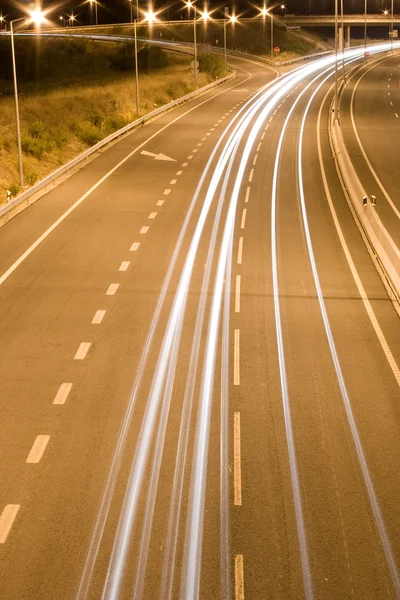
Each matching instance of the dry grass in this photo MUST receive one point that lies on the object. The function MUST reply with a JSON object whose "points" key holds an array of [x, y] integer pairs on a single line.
{"points": [[58, 125]]}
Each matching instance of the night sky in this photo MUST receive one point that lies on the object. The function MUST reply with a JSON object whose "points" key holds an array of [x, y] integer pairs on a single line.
{"points": [[111, 11]]}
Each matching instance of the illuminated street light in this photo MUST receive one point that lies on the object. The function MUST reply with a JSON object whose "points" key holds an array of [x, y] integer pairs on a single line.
{"points": [[95, 9], [386, 12], [205, 15], [37, 17], [189, 5], [231, 19], [150, 16]]}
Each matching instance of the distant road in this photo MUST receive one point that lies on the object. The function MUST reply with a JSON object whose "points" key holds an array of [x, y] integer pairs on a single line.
{"points": [[199, 366]]}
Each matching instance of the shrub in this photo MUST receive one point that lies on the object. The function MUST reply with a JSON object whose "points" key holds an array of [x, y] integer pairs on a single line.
{"points": [[37, 130], [35, 146], [116, 122], [14, 189], [60, 138], [213, 64], [152, 57], [88, 133], [32, 178]]}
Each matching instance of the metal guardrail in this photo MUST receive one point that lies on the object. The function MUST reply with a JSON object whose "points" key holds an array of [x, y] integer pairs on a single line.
{"points": [[47, 181]]}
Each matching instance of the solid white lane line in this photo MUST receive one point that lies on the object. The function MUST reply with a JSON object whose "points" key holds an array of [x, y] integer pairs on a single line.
{"points": [[179, 173], [124, 265], [361, 290], [82, 350], [236, 358], [259, 146], [63, 393], [237, 293], [38, 448], [112, 288], [166, 192], [98, 317], [173, 181], [255, 160], [247, 194], [135, 245], [239, 577], [152, 215], [160, 202], [7, 519], [237, 461], [240, 251], [251, 175], [243, 221], [144, 229]]}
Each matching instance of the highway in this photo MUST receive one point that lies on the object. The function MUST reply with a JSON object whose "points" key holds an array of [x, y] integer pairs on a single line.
{"points": [[371, 113], [200, 366]]}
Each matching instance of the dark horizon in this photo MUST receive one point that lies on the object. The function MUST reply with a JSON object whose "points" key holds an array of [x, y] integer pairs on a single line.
{"points": [[119, 11]]}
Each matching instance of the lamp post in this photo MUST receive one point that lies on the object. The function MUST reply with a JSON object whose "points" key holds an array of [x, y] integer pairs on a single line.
{"points": [[95, 10], [231, 19], [189, 5], [263, 12], [131, 7], [272, 33], [136, 69], [21, 170], [365, 26], [336, 108], [37, 17], [391, 36]]}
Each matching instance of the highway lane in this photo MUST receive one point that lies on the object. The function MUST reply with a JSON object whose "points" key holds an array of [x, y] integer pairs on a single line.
{"points": [[48, 305], [250, 475], [370, 110]]}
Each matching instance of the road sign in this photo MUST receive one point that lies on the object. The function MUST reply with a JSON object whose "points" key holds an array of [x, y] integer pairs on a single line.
{"points": [[194, 64], [366, 54], [277, 49]]}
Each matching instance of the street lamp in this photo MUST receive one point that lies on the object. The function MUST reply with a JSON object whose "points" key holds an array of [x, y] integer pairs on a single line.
{"points": [[95, 9], [189, 5], [2, 20], [150, 17], [231, 19], [131, 6], [365, 26], [37, 17]]}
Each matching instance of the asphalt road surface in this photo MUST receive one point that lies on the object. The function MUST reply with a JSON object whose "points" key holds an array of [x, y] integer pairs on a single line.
{"points": [[199, 366], [370, 113]]}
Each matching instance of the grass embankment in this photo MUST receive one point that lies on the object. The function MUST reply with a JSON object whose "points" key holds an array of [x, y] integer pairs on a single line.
{"points": [[96, 96]]}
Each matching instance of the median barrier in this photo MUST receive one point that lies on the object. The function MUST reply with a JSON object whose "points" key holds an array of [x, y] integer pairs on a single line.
{"points": [[45, 185], [381, 243]]}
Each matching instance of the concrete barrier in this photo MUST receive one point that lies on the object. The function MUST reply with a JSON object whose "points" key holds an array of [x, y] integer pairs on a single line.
{"points": [[380, 241]]}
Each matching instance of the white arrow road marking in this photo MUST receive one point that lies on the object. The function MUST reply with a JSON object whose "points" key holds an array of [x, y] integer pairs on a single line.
{"points": [[157, 156]]}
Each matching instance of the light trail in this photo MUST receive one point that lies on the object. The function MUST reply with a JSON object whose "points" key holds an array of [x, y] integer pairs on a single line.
{"points": [[163, 379], [376, 510]]}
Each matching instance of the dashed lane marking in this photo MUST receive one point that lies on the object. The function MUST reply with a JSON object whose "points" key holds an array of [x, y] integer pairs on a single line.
{"points": [[247, 194], [124, 265], [166, 192], [112, 288], [237, 461], [136, 245], [239, 577], [240, 251], [258, 147], [255, 160], [236, 358], [251, 175], [63, 393], [144, 230], [179, 173], [243, 221], [173, 181], [38, 448], [82, 350], [160, 202], [98, 317], [237, 293], [7, 519], [152, 215]]}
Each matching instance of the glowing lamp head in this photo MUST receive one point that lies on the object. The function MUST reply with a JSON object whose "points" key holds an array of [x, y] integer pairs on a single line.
{"points": [[150, 16], [283, 6], [189, 3], [205, 15], [385, 12], [37, 17], [264, 11], [233, 19]]}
